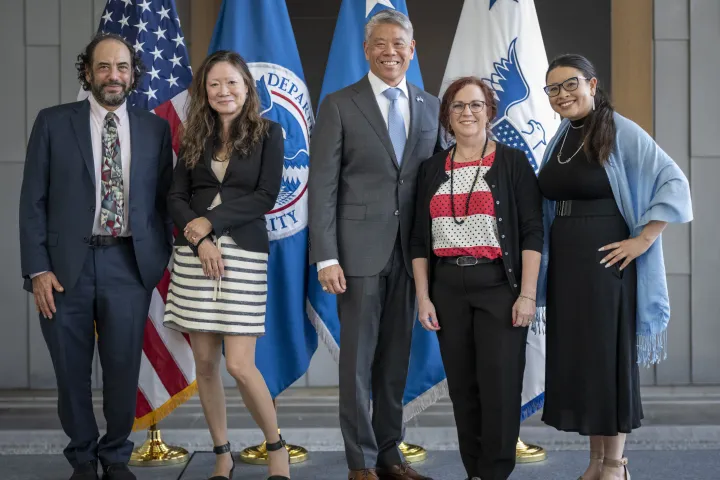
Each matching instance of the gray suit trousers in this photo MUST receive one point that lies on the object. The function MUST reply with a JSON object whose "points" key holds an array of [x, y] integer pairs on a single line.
{"points": [[376, 320]]}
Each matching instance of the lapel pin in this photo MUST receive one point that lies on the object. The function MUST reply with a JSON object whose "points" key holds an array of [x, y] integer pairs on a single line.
{"points": [[419, 99]]}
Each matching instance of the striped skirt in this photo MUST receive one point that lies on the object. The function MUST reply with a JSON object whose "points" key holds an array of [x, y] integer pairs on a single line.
{"points": [[233, 305]]}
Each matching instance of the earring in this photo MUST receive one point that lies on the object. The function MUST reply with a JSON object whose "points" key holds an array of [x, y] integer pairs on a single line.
{"points": [[593, 100]]}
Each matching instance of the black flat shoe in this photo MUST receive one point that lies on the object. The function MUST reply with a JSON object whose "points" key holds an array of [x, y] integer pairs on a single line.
{"points": [[221, 450], [86, 471], [273, 447], [118, 471]]}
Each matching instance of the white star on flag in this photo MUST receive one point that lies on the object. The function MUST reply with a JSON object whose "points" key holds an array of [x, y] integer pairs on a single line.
{"points": [[156, 53], [145, 6], [107, 17], [172, 81], [124, 21], [178, 40], [127, 3], [370, 4], [138, 46], [141, 26], [163, 12], [160, 33], [175, 60], [150, 93], [154, 74]]}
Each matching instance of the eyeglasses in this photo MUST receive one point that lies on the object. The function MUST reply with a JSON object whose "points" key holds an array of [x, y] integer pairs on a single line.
{"points": [[476, 106], [568, 85]]}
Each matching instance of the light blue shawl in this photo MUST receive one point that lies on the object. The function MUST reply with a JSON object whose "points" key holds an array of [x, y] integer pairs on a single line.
{"points": [[647, 185]]}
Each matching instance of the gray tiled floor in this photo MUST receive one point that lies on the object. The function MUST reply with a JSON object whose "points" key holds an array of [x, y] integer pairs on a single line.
{"points": [[655, 465]]}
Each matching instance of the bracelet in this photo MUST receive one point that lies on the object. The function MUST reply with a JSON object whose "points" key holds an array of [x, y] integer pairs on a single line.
{"points": [[524, 296]]}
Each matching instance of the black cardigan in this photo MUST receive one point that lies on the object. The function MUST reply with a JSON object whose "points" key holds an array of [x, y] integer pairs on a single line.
{"points": [[248, 191], [518, 208]]}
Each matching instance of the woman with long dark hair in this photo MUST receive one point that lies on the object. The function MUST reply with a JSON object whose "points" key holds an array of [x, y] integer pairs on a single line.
{"points": [[227, 178], [476, 245], [609, 193]]}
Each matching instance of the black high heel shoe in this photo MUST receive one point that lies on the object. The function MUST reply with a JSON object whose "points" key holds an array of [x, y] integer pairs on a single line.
{"points": [[273, 447], [221, 450]]}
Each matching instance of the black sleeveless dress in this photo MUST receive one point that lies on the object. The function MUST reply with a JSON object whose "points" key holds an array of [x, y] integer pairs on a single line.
{"points": [[592, 379]]}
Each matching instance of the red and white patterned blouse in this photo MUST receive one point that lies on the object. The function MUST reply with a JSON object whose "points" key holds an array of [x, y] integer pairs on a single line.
{"points": [[477, 236]]}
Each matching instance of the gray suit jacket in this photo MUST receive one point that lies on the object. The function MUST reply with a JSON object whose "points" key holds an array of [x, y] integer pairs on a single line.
{"points": [[359, 196]]}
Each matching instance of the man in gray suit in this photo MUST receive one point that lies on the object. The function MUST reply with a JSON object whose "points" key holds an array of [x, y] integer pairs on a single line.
{"points": [[368, 143]]}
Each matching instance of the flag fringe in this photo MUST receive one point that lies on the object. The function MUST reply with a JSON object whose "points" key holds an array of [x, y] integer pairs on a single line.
{"points": [[530, 408], [324, 334], [423, 401], [154, 417]]}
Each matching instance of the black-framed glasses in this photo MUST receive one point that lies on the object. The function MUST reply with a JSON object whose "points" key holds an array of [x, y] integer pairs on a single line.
{"points": [[476, 106], [568, 85]]}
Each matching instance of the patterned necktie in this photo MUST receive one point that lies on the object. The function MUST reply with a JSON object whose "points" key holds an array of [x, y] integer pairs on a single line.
{"points": [[396, 123], [112, 205]]}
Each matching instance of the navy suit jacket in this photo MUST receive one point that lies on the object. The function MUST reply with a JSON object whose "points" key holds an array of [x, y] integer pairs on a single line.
{"points": [[57, 200]]}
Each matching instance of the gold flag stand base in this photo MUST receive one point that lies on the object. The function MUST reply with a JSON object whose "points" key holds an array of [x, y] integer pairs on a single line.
{"points": [[525, 453], [258, 455], [156, 453], [413, 453]]}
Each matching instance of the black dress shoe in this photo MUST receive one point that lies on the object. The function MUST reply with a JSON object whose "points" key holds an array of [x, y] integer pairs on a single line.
{"points": [[86, 471], [118, 471]]}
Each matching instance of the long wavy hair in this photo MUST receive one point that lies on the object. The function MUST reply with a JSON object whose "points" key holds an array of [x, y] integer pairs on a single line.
{"points": [[599, 129], [203, 123]]}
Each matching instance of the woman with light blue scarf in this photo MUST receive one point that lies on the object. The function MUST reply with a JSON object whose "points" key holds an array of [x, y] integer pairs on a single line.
{"points": [[609, 193]]}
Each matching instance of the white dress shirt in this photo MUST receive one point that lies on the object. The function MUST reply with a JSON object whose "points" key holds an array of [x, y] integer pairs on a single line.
{"points": [[97, 120], [378, 87]]}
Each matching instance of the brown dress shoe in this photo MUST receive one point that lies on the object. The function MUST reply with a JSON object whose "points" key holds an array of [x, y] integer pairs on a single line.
{"points": [[365, 474], [400, 472]]}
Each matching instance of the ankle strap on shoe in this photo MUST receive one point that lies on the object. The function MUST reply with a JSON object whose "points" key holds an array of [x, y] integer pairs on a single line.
{"points": [[615, 463], [222, 449], [271, 447]]}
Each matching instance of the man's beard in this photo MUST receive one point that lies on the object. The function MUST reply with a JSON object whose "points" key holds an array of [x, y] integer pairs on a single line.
{"points": [[109, 99]]}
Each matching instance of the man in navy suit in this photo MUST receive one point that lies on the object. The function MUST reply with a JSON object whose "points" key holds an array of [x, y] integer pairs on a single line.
{"points": [[95, 239]]}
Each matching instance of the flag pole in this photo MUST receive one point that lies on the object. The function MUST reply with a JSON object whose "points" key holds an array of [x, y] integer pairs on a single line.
{"points": [[156, 453], [526, 453], [258, 455]]}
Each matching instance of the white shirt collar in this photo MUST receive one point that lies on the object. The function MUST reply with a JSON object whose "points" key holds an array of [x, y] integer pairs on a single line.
{"points": [[100, 112], [378, 86]]}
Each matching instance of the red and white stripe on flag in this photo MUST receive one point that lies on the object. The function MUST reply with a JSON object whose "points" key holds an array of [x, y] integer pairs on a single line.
{"points": [[167, 368]]}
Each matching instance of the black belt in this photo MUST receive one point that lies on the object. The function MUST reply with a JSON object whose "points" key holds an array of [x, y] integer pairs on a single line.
{"points": [[602, 207], [108, 241], [468, 261]]}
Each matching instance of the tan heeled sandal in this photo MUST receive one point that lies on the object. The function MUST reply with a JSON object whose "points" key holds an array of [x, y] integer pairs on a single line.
{"points": [[594, 456], [618, 464]]}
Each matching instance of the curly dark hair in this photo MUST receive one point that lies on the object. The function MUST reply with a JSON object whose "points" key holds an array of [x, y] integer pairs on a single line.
{"points": [[85, 60], [203, 123], [454, 88]]}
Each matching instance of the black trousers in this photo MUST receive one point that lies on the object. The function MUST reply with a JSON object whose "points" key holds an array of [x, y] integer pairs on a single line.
{"points": [[484, 359], [109, 296]]}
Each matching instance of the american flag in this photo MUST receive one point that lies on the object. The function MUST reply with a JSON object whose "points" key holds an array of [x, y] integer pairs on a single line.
{"points": [[167, 371]]}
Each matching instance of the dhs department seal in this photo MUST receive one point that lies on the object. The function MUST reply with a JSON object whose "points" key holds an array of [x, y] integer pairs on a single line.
{"points": [[285, 99]]}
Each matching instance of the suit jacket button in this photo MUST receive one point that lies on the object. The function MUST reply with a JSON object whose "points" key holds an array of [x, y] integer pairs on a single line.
{"points": [[86, 239], [401, 181], [397, 213]]}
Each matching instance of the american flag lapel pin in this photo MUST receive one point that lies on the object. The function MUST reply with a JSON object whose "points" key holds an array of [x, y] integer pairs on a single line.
{"points": [[419, 99]]}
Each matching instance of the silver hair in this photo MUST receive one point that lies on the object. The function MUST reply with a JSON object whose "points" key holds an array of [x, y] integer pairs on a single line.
{"points": [[389, 15]]}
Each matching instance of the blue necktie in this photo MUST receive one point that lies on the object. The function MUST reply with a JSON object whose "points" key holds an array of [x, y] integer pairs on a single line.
{"points": [[396, 123]]}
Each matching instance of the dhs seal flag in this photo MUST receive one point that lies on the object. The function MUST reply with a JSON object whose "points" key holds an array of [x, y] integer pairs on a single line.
{"points": [[260, 31], [500, 42], [284, 99]]}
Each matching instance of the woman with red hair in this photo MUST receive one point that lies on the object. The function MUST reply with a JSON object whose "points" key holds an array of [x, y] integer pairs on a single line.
{"points": [[476, 246]]}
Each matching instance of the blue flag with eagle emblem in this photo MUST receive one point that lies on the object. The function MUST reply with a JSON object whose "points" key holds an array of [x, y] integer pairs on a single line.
{"points": [[260, 31], [500, 42], [346, 65]]}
